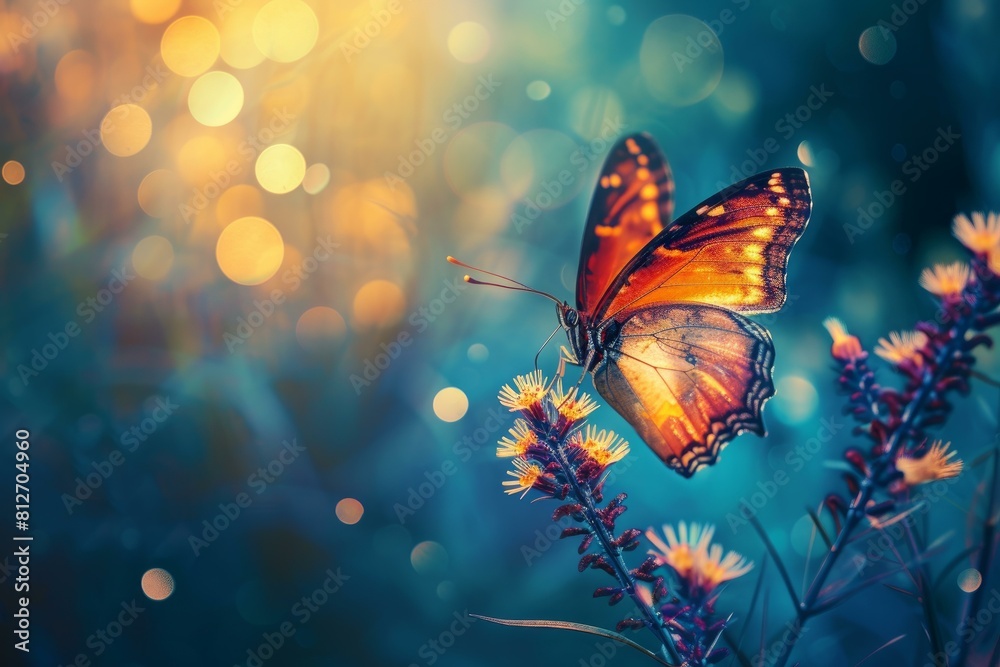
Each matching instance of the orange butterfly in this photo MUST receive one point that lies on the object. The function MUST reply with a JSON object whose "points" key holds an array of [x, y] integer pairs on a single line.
{"points": [[659, 308]]}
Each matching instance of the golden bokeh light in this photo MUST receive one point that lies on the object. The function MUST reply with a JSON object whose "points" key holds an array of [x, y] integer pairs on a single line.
{"points": [[236, 32], [280, 168], [349, 511], [316, 179], [970, 580], [74, 76], [159, 192], [157, 584], [249, 250], [450, 404], [378, 304], [215, 98], [430, 558], [318, 327], [201, 157], [154, 11], [285, 30], [469, 42], [152, 257], [190, 45], [126, 130], [239, 201], [13, 172]]}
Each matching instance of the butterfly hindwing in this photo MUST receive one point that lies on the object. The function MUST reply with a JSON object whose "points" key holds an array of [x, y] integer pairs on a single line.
{"points": [[689, 378], [730, 251], [632, 203]]}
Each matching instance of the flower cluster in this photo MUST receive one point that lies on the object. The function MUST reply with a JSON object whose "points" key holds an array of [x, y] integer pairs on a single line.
{"points": [[559, 456], [935, 361]]}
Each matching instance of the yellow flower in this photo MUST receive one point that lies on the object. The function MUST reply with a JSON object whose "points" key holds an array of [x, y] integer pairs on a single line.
{"points": [[902, 347], [980, 234], [845, 346], [572, 405], [945, 280], [934, 465], [603, 447], [692, 556], [531, 389], [716, 568], [522, 438], [525, 476]]}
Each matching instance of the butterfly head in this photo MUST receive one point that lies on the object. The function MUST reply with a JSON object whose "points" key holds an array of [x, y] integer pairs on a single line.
{"points": [[573, 323]]}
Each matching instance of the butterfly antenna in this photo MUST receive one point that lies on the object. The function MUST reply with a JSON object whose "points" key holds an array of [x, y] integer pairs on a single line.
{"points": [[520, 287], [539, 353]]}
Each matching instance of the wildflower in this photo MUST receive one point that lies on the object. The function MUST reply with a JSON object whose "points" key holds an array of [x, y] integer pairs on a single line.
{"points": [[980, 234], [945, 280], [717, 568], [571, 405], [602, 447], [845, 346], [902, 347], [517, 445], [934, 465], [689, 552], [531, 389], [526, 477]]}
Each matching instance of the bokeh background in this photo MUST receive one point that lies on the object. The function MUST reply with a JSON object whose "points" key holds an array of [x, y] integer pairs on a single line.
{"points": [[242, 209]]}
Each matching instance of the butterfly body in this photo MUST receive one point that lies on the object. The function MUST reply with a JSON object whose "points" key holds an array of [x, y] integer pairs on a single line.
{"points": [[659, 319]]}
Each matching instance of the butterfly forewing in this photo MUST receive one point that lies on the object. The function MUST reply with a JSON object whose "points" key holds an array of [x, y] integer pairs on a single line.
{"points": [[632, 203], [731, 251]]}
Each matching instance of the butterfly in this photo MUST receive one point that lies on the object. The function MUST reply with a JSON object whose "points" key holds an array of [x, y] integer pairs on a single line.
{"points": [[659, 320], [660, 308]]}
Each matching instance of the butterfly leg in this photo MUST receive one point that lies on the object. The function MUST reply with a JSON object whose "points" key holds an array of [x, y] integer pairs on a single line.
{"points": [[576, 388]]}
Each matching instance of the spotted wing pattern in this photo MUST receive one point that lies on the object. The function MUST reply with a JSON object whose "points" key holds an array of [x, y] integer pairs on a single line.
{"points": [[633, 202]]}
